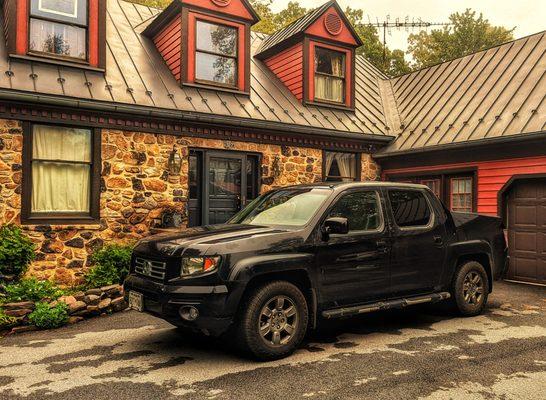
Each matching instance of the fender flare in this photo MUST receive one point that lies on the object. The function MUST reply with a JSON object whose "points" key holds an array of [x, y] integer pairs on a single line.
{"points": [[470, 247]]}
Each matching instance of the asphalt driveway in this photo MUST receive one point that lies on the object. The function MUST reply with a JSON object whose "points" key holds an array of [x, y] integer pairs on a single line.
{"points": [[418, 353]]}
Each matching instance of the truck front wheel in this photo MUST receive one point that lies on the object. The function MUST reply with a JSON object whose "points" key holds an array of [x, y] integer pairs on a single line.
{"points": [[273, 321], [470, 289]]}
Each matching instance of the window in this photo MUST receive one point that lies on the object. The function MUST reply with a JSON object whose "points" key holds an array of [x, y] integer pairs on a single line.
{"points": [[361, 210], [329, 75], [340, 167], [62, 165], [59, 27], [410, 208], [216, 54], [434, 185], [461, 194]]}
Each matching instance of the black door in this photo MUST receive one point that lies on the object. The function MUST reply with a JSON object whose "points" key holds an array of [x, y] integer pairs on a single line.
{"points": [[354, 268], [418, 250]]}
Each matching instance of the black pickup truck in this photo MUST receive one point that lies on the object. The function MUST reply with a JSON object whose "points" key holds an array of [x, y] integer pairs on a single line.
{"points": [[300, 254]]}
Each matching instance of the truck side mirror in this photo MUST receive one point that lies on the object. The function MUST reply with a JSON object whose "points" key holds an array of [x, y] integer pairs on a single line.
{"points": [[336, 225]]}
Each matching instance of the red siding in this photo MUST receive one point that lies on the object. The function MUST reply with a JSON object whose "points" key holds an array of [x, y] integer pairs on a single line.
{"points": [[492, 175], [234, 8], [168, 43], [288, 66], [21, 42], [318, 29]]}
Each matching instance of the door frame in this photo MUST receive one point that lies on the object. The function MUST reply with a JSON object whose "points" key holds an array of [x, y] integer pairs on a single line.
{"points": [[203, 176]]}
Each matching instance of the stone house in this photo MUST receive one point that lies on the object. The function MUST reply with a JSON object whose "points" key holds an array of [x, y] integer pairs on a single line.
{"points": [[117, 119]]}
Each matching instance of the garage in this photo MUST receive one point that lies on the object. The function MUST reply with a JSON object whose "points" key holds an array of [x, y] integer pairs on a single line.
{"points": [[526, 216]]}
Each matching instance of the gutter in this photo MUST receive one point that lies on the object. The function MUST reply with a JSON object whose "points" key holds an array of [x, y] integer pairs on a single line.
{"points": [[188, 116], [386, 154]]}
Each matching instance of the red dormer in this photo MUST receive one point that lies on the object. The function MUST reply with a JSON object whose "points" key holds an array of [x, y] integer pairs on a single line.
{"points": [[315, 57], [67, 31], [206, 43]]}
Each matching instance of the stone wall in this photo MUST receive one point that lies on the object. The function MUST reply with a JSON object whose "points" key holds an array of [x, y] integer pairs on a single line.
{"points": [[135, 188]]}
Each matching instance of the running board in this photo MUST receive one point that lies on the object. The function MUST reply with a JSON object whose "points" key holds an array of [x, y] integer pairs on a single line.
{"points": [[385, 305]]}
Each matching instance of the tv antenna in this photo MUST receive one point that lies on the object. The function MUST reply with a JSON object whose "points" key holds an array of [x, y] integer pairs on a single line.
{"points": [[387, 25]]}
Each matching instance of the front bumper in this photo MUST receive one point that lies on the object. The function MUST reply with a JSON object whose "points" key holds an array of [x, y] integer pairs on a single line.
{"points": [[165, 301]]}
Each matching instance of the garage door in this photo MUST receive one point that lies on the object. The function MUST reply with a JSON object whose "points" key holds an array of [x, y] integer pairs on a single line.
{"points": [[527, 230]]}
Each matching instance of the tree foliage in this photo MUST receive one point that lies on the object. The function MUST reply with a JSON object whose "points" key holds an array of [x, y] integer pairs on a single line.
{"points": [[468, 34]]}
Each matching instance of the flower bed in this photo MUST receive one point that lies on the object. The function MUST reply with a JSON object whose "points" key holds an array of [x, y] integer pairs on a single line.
{"points": [[22, 316]]}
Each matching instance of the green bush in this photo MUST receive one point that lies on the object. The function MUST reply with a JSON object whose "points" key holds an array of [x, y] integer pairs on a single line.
{"points": [[6, 321], [45, 316], [16, 251], [31, 289], [110, 265]]}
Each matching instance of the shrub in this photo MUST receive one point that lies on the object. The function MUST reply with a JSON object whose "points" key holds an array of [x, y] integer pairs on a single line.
{"points": [[110, 265], [31, 290], [45, 316], [6, 321], [16, 251]]}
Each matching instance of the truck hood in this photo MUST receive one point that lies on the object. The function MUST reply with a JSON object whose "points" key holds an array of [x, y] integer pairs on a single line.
{"points": [[213, 239]]}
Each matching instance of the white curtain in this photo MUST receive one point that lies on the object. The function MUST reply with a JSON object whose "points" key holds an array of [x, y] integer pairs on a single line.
{"points": [[328, 88], [57, 185], [346, 163]]}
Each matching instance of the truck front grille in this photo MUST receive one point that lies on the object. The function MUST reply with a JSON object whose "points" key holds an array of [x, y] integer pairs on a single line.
{"points": [[153, 269]]}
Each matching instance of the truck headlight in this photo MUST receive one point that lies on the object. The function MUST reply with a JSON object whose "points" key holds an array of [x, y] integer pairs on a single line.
{"points": [[198, 265]]}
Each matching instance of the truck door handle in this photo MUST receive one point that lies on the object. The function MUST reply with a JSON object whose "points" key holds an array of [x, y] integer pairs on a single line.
{"points": [[382, 246], [438, 241]]}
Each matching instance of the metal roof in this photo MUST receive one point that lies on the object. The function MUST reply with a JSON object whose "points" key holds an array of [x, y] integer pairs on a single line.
{"points": [[490, 95], [494, 94], [137, 75]]}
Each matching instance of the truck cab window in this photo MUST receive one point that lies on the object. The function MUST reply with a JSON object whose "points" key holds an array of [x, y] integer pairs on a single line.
{"points": [[409, 208], [361, 210]]}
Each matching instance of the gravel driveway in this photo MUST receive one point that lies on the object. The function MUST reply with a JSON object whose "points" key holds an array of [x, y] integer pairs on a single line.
{"points": [[418, 353]]}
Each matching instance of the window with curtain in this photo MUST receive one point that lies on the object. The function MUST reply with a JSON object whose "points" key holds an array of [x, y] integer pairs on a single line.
{"points": [[461, 194], [59, 27], [340, 166], [329, 75], [61, 168], [216, 54], [433, 184]]}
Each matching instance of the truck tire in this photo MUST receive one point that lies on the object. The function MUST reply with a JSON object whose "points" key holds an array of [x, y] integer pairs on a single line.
{"points": [[470, 289], [272, 321]]}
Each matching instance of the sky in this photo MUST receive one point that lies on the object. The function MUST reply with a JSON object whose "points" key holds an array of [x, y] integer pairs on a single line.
{"points": [[528, 16]]}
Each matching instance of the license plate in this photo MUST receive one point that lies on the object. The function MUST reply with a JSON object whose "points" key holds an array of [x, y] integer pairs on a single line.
{"points": [[136, 301]]}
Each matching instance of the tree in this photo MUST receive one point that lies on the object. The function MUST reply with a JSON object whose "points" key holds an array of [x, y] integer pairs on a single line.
{"points": [[468, 34], [272, 22]]}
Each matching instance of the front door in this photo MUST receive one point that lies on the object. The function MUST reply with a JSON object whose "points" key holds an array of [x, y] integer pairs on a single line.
{"points": [[354, 268], [224, 187], [220, 184]]}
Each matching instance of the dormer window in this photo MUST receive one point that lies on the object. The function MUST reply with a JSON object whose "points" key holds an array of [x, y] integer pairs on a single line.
{"points": [[206, 43], [216, 54], [59, 28], [60, 32], [330, 68]]}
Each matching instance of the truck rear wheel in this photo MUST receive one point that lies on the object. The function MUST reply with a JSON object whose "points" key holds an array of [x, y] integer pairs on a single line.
{"points": [[470, 289], [273, 321]]}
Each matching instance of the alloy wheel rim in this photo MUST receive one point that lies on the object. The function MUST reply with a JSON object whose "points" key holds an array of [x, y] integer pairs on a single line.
{"points": [[473, 288], [278, 321]]}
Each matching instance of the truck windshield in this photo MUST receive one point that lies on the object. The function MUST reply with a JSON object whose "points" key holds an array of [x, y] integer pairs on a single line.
{"points": [[287, 207]]}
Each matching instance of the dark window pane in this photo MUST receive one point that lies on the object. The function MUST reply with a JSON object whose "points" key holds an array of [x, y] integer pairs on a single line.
{"points": [[59, 39], [218, 69], [216, 38], [409, 207], [72, 11], [193, 176], [329, 62], [361, 210], [252, 177]]}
